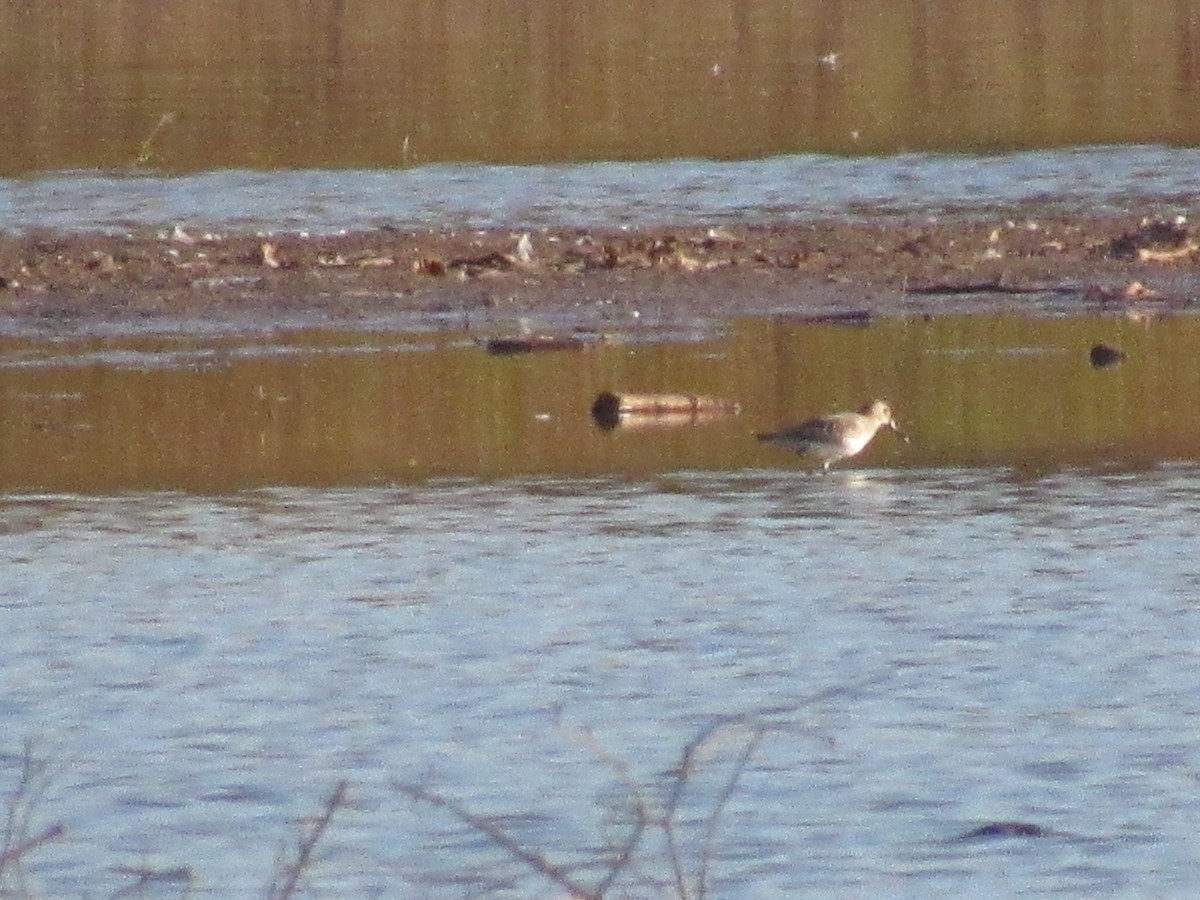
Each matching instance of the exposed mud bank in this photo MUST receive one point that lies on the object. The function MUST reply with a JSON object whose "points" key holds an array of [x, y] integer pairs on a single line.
{"points": [[1128, 264]]}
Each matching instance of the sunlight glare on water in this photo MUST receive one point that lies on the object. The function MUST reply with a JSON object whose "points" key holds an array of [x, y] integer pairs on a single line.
{"points": [[928, 650]]}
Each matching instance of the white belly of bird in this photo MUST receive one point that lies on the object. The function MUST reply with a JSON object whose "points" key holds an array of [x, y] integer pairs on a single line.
{"points": [[854, 444]]}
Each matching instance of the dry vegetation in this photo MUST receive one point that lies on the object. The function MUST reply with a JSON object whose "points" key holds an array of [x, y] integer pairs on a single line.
{"points": [[653, 837]]}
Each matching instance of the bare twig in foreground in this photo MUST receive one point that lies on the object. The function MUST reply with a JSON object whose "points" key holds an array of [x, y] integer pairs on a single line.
{"points": [[288, 874], [646, 816], [17, 840], [535, 860], [714, 818], [18, 849], [682, 774], [147, 877]]}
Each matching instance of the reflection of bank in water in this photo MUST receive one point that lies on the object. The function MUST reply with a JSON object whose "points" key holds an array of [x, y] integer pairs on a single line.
{"points": [[319, 110]]}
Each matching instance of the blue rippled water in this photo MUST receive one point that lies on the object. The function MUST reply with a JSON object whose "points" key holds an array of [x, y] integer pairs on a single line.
{"points": [[923, 651], [791, 188]]}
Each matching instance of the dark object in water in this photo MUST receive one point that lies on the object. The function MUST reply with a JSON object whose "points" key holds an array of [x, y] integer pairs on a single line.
{"points": [[1004, 830], [860, 318], [508, 346], [1105, 355], [993, 286], [609, 409], [1157, 237]]}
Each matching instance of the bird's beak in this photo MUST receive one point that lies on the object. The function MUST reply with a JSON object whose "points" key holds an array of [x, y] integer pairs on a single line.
{"points": [[900, 434]]}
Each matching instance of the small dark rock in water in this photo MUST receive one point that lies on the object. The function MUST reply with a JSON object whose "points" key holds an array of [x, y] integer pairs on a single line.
{"points": [[1105, 355], [1004, 830]]}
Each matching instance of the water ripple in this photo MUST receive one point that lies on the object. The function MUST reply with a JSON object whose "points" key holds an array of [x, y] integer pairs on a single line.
{"points": [[925, 651], [786, 188]]}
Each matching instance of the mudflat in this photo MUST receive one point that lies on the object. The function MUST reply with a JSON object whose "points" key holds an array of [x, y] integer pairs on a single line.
{"points": [[1130, 263]]}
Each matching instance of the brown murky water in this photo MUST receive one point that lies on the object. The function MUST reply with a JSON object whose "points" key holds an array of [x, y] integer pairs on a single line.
{"points": [[322, 408], [184, 86]]}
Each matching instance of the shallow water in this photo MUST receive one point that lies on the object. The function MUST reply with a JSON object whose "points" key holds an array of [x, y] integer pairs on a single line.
{"points": [[317, 407], [929, 649], [784, 188]]}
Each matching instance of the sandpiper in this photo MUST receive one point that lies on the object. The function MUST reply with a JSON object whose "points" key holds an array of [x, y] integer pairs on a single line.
{"points": [[837, 436]]}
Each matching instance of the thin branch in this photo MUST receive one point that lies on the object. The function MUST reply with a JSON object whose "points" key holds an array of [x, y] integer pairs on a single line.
{"points": [[646, 813], [624, 856], [308, 841], [688, 761], [13, 853], [620, 767], [643, 817], [710, 831], [20, 807], [688, 758], [536, 861]]}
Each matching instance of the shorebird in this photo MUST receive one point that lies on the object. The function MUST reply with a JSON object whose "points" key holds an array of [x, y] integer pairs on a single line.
{"points": [[836, 436]]}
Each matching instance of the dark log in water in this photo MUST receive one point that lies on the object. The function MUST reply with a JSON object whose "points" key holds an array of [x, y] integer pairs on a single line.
{"points": [[610, 409], [508, 346]]}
